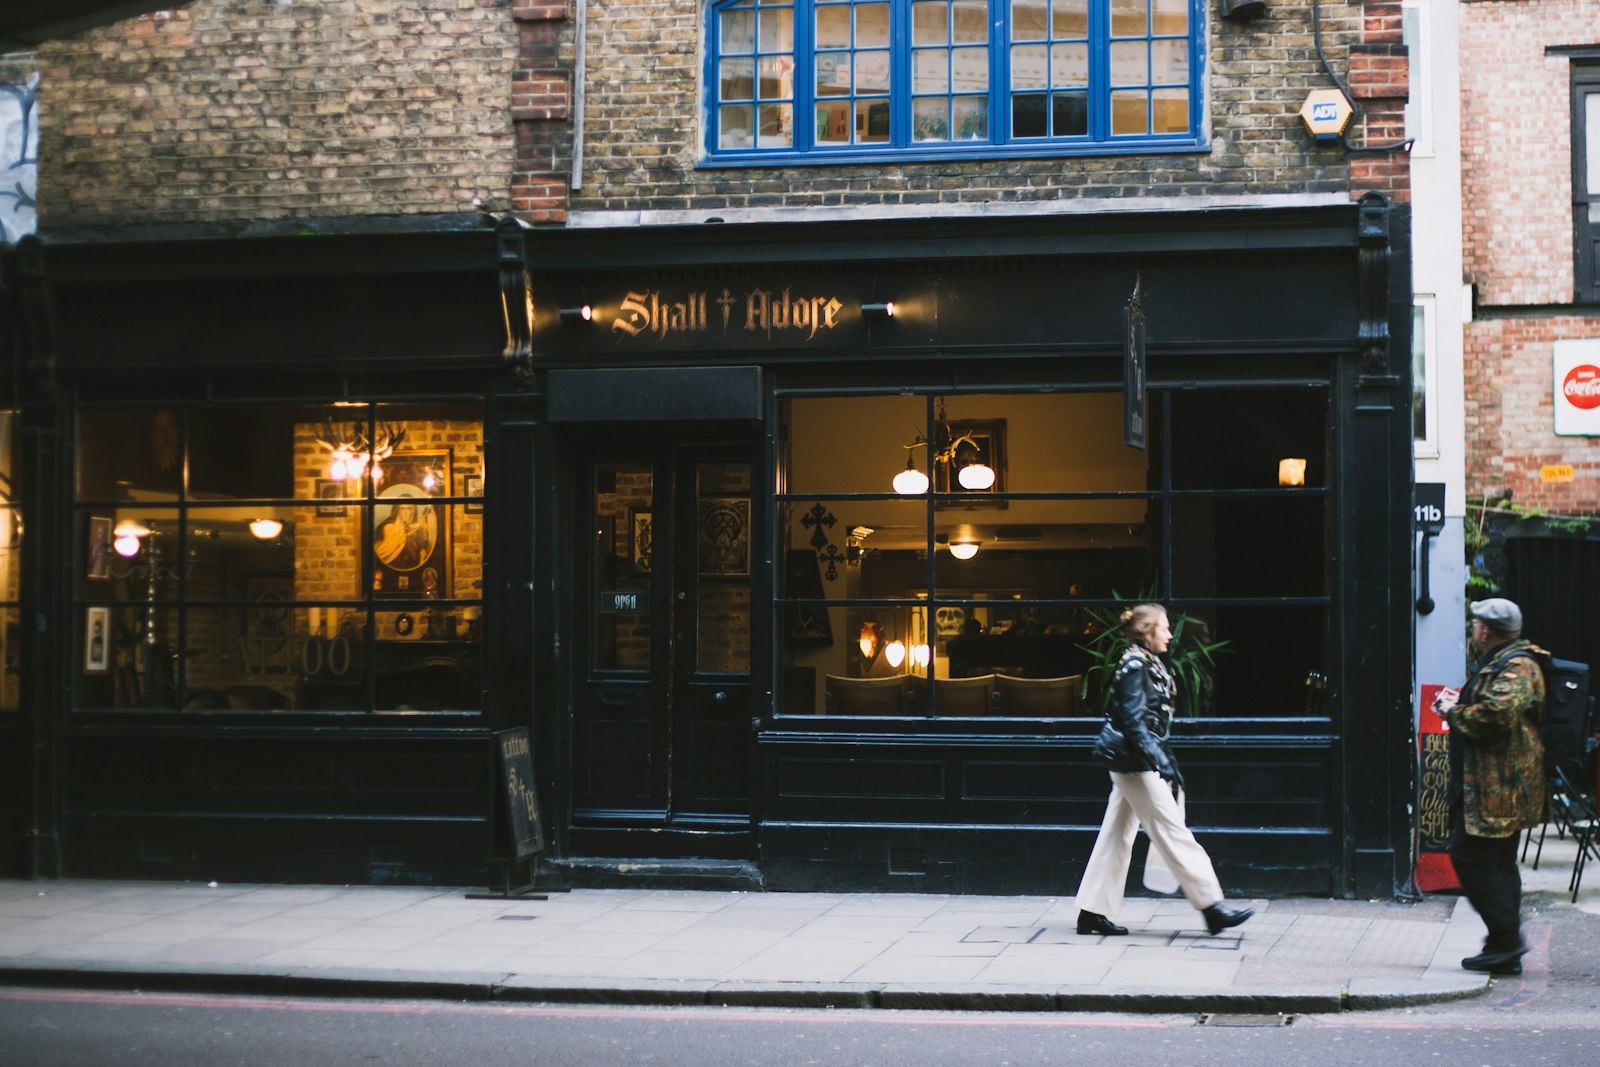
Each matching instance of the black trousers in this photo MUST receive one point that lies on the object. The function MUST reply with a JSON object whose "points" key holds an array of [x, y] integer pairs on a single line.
{"points": [[1487, 870]]}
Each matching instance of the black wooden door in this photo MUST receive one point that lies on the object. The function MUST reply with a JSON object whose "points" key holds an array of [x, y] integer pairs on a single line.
{"points": [[662, 734]]}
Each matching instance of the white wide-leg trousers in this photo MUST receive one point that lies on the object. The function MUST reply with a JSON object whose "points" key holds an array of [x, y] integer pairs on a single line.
{"points": [[1144, 799]]}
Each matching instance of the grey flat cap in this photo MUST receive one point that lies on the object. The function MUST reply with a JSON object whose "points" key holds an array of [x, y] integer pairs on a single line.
{"points": [[1498, 613]]}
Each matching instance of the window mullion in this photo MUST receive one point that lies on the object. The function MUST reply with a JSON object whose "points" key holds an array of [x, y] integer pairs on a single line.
{"points": [[900, 89], [805, 75], [999, 72], [1099, 72]]}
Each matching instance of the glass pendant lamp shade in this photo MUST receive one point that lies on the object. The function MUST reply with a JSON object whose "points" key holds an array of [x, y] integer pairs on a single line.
{"points": [[895, 653], [976, 476], [910, 482], [963, 549]]}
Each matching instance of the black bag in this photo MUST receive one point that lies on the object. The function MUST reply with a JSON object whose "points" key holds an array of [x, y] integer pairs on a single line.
{"points": [[1565, 724], [1110, 747], [1566, 715]]}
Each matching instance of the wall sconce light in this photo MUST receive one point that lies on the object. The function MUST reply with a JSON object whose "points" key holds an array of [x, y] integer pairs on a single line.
{"points": [[265, 528], [894, 653], [127, 537], [870, 643], [582, 313], [1291, 472], [884, 310]]}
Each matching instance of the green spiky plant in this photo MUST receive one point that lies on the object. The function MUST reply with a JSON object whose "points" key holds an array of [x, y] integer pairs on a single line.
{"points": [[1191, 658]]}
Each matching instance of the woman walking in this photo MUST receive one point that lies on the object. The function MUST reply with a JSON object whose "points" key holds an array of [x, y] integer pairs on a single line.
{"points": [[1146, 787]]}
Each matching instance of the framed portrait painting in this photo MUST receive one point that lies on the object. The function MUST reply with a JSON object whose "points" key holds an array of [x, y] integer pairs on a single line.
{"points": [[411, 535], [99, 548]]}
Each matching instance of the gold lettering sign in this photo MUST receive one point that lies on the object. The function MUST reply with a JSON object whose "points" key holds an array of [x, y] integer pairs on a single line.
{"points": [[1433, 816], [657, 315]]}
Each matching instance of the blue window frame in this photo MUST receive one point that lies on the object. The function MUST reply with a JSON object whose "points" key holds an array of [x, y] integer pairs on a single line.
{"points": [[857, 80]]}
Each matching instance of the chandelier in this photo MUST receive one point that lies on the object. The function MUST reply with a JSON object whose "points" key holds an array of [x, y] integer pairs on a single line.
{"points": [[958, 450], [355, 453]]}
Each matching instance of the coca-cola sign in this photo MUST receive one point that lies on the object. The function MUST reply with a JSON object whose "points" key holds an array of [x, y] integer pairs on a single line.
{"points": [[1582, 386], [1576, 384]]}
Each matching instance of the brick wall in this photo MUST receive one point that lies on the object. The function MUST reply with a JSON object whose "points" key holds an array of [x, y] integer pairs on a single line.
{"points": [[1509, 415], [225, 110], [1516, 133], [253, 109]]}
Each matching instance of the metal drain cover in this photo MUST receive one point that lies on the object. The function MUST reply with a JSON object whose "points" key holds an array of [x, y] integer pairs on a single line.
{"points": [[1220, 1019]]}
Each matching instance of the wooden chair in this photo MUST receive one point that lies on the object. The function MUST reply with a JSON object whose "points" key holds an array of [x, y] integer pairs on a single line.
{"points": [[1039, 697], [866, 696], [963, 696]]}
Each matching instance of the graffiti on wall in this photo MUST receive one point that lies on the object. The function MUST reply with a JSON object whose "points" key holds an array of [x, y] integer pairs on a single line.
{"points": [[19, 158]]}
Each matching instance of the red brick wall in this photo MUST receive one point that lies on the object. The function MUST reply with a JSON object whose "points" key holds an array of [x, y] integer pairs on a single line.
{"points": [[1516, 134], [1509, 415]]}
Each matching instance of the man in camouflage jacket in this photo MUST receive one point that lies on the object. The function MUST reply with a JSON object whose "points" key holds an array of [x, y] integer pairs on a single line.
{"points": [[1496, 775]]}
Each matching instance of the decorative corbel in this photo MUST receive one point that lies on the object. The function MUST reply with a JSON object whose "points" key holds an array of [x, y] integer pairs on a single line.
{"points": [[1372, 231], [516, 298]]}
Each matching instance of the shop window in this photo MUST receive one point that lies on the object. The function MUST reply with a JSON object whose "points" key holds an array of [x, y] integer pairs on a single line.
{"points": [[292, 558], [1586, 179], [10, 566], [835, 80], [960, 596]]}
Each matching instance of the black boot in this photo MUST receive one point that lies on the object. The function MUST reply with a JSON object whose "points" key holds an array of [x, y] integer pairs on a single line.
{"points": [[1092, 923], [1508, 962], [1220, 917]]}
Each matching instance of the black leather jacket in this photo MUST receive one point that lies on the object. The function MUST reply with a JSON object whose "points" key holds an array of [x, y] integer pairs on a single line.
{"points": [[1139, 718]]}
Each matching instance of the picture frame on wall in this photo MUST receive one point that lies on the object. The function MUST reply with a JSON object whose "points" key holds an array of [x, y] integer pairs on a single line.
{"points": [[641, 539], [724, 526], [472, 486], [98, 564], [987, 445], [328, 491], [411, 535], [97, 639]]}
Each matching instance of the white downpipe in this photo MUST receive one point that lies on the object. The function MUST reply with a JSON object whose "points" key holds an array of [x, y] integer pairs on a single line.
{"points": [[579, 47]]}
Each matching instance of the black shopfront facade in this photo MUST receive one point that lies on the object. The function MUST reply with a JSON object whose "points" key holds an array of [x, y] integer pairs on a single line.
{"points": [[659, 520]]}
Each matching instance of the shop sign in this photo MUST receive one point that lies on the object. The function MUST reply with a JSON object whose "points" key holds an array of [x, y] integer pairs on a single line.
{"points": [[624, 601], [657, 315], [1577, 388]]}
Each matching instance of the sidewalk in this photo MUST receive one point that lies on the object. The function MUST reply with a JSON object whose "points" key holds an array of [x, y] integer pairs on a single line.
{"points": [[845, 950]]}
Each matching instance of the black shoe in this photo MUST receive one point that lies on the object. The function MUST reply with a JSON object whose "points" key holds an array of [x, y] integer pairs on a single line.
{"points": [[1509, 962], [1091, 923], [1220, 917]]}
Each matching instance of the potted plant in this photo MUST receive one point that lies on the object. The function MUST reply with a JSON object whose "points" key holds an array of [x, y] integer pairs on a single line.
{"points": [[1190, 657]]}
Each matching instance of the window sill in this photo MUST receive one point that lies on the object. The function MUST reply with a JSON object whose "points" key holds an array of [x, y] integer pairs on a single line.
{"points": [[952, 153]]}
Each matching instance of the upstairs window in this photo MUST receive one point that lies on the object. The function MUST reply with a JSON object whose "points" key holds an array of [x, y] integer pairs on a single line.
{"points": [[845, 80], [1586, 180]]}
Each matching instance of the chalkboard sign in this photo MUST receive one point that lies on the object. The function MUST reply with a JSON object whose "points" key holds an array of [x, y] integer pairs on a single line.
{"points": [[522, 800]]}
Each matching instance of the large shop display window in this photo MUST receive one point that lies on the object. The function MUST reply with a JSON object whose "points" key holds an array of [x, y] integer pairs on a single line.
{"points": [[10, 566], [964, 555], [317, 558]]}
